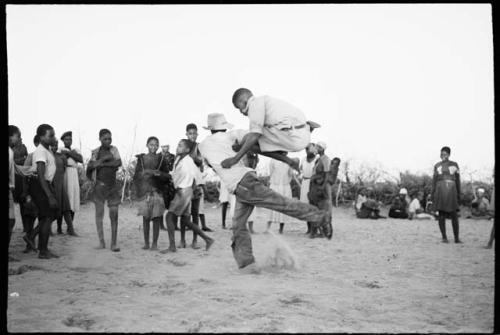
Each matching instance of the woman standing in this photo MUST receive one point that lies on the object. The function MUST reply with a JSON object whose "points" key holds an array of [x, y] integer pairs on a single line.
{"points": [[281, 175], [60, 192], [446, 193]]}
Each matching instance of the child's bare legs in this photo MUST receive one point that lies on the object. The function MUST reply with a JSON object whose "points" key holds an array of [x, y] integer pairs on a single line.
{"points": [[183, 231], [146, 228], [99, 216], [171, 223], [224, 212], [113, 216], [185, 220], [156, 232], [282, 225]]}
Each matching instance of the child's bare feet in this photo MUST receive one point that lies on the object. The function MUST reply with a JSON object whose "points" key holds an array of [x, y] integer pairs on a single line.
{"points": [[183, 244], [145, 247], [153, 247], [101, 246], [194, 245], [114, 248]]}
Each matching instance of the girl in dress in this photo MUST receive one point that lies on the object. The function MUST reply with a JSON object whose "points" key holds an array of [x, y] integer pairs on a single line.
{"points": [[446, 193], [150, 178]]}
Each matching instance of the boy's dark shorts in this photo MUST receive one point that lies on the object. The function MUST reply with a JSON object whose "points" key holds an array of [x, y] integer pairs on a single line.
{"points": [[109, 193]]}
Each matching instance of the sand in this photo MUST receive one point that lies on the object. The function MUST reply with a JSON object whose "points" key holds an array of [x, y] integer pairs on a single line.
{"points": [[373, 276]]}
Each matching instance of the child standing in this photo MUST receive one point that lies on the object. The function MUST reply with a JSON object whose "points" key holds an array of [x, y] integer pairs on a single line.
{"points": [[185, 175], [43, 192], [151, 175], [102, 168]]}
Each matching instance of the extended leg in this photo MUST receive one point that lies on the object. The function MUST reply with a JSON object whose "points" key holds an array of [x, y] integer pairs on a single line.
{"points": [[209, 241], [242, 241]]}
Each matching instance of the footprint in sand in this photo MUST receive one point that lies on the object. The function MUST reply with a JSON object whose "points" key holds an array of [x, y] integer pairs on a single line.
{"points": [[79, 320], [367, 284]]}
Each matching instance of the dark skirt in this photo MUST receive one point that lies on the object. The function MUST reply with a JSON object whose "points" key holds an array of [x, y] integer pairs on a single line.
{"points": [[445, 196], [41, 200], [61, 196]]}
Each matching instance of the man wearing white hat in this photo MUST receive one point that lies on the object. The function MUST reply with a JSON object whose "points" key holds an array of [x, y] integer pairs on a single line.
{"points": [[399, 207], [275, 127], [249, 190]]}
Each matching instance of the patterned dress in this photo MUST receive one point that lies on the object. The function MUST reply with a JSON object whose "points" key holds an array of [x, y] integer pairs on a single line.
{"points": [[280, 178], [446, 186], [150, 190]]}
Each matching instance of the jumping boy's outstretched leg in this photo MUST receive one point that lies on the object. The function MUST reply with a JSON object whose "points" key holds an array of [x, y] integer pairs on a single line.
{"points": [[171, 221]]}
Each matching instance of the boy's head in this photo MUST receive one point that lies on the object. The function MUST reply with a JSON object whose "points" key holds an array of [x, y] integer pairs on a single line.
{"points": [[54, 145], [336, 161], [445, 153], [153, 144], [321, 147], [420, 196], [14, 136], [36, 140], [192, 132], [240, 99], [67, 139], [184, 147], [165, 148], [311, 149], [46, 134], [105, 137]]}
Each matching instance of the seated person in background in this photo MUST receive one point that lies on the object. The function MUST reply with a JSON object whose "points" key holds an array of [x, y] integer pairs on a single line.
{"points": [[399, 207], [369, 206], [480, 205], [415, 210], [361, 198]]}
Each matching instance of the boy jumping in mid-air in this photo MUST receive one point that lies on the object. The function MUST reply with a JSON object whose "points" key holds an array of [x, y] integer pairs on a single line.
{"points": [[275, 127]]}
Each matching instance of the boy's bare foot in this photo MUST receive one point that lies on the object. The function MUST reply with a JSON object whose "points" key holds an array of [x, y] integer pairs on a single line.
{"points": [[209, 242], [154, 247], [114, 248], [194, 245], [207, 229], [183, 244], [30, 242], [458, 242], [444, 240], [488, 246], [145, 247], [101, 246], [169, 250]]}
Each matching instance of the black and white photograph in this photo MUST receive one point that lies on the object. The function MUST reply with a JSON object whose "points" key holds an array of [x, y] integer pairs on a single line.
{"points": [[250, 168]]}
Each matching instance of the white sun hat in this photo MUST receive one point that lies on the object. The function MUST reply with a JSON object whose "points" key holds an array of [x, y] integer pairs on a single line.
{"points": [[217, 121]]}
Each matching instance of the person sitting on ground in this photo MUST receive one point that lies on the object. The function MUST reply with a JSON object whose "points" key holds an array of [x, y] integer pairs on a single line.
{"points": [[415, 210], [399, 207], [480, 205], [370, 207]]}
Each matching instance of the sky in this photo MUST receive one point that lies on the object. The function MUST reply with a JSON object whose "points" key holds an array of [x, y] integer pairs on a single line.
{"points": [[390, 84]]}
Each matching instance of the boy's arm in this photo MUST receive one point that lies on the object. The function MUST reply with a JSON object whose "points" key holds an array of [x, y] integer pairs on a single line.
{"points": [[75, 155], [250, 140], [116, 163]]}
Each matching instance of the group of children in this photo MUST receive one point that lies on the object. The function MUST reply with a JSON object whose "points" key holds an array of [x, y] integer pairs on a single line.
{"points": [[45, 185]]}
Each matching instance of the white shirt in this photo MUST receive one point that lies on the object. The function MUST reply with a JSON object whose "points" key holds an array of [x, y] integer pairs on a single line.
{"points": [[12, 177], [307, 168], [414, 205], [185, 172], [280, 173], [43, 155], [269, 111], [216, 148]]}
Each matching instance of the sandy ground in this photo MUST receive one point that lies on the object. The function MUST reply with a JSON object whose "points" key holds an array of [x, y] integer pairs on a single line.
{"points": [[373, 276]]}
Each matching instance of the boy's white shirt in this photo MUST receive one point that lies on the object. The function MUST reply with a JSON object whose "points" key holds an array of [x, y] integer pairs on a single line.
{"points": [[185, 172]]}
